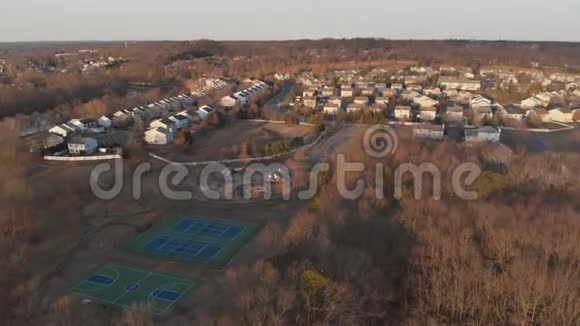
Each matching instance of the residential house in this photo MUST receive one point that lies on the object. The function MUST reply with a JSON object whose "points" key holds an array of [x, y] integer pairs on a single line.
{"points": [[382, 101], [158, 136], [459, 83], [82, 145], [429, 131], [330, 108], [77, 123], [165, 123], [367, 91], [403, 112], [415, 80], [561, 115], [335, 100], [354, 108], [346, 92], [361, 100], [180, 121], [105, 122], [242, 98], [120, 119], [454, 113], [380, 87], [309, 102], [65, 130], [486, 133], [206, 109], [479, 102], [425, 101], [433, 91], [397, 87], [327, 91], [428, 113], [228, 101], [541, 100], [388, 92]]}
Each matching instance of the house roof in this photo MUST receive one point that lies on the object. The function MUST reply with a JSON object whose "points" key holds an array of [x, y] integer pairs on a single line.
{"points": [[80, 140], [167, 121]]}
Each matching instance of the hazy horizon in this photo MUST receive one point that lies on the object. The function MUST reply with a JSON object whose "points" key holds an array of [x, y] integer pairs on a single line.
{"points": [[175, 20]]}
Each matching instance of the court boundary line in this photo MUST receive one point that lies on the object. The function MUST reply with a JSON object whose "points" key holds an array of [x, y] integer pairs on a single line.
{"points": [[190, 283]]}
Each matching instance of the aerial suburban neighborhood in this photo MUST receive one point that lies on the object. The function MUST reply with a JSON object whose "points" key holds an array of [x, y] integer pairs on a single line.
{"points": [[266, 178]]}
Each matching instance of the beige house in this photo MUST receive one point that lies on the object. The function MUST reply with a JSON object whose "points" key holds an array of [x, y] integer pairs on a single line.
{"points": [[459, 83], [561, 115], [428, 113], [403, 112]]}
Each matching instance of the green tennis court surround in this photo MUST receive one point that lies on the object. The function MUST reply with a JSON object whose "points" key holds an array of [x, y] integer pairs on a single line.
{"points": [[196, 240], [125, 287]]}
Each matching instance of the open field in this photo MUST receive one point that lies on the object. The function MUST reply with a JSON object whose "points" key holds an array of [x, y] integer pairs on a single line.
{"points": [[229, 142]]}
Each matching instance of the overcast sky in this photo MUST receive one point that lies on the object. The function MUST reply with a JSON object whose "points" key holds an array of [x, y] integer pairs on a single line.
{"points": [[56, 20]]}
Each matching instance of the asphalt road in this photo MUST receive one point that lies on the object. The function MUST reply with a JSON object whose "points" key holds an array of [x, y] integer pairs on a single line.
{"points": [[274, 103]]}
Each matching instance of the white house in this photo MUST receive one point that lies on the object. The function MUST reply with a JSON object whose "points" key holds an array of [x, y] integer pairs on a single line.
{"points": [[479, 102], [459, 83], [367, 91], [486, 133], [158, 136], [330, 108], [242, 98], [363, 100], [77, 123], [327, 91], [428, 113], [429, 131], [397, 87], [64, 130], [205, 110], [403, 112], [561, 115], [353, 108], [180, 121], [82, 145], [346, 92], [425, 101]]}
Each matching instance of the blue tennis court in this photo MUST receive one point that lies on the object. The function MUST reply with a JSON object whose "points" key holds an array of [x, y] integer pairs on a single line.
{"points": [[194, 239], [166, 295], [184, 249], [207, 228], [100, 279]]}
